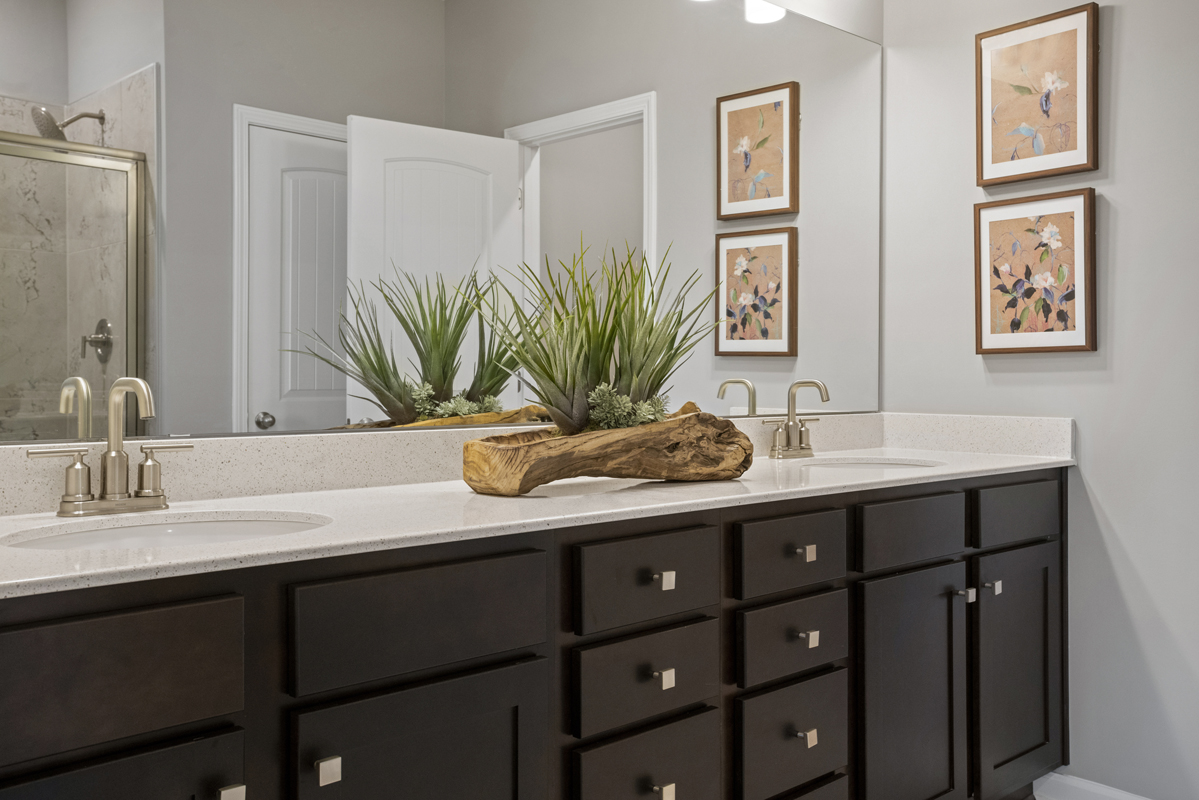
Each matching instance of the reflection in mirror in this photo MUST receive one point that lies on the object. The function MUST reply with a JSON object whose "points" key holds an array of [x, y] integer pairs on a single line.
{"points": [[341, 167]]}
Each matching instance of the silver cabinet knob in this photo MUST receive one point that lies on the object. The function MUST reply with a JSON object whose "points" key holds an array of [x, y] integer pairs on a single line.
{"points": [[667, 676], [666, 791], [809, 737], [264, 420], [328, 770], [970, 594], [996, 587], [807, 553], [666, 579], [237, 792], [811, 637]]}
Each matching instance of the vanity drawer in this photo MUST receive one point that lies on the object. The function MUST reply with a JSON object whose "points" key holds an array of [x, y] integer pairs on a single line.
{"points": [[902, 532], [196, 768], [361, 629], [617, 584], [682, 756], [835, 788], [774, 555], [615, 682], [78, 682], [771, 758], [1008, 514], [770, 645]]}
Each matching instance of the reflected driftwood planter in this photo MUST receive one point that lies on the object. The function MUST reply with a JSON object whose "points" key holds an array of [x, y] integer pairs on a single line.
{"points": [[530, 413], [688, 447]]}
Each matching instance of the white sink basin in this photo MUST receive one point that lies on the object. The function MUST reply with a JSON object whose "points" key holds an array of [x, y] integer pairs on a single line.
{"points": [[867, 462], [155, 532]]}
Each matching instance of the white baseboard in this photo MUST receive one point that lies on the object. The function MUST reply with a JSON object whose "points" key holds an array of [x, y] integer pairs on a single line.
{"points": [[1067, 787]]}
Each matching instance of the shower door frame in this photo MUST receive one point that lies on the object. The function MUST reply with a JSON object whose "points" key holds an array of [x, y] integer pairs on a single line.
{"points": [[133, 164]]}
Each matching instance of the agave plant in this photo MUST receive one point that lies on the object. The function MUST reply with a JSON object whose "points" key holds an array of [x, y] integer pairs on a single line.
{"points": [[367, 359]]}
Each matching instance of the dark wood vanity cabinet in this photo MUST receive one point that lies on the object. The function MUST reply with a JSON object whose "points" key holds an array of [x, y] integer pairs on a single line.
{"points": [[897, 644]]}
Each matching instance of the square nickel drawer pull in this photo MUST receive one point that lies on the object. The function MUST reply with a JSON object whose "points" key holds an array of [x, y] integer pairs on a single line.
{"points": [[667, 676], [666, 791], [807, 736], [811, 637], [807, 553], [666, 579]]}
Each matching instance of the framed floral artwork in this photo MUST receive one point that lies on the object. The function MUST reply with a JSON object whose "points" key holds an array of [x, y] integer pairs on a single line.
{"points": [[756, 293], [1034, 282], [1037, 97], [757, 152]]}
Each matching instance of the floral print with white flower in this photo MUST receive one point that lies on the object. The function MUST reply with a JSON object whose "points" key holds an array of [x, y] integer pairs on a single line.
{"points": [[1032, 275], [753, 293], [1034, 116]]}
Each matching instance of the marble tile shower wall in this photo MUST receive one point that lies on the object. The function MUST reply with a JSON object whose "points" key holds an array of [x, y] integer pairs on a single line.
{"points": [[76, 276]]}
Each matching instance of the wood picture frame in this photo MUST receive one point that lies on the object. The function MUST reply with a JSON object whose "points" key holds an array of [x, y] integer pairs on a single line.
{"points": [[757, 293], [1036, 258], [757, 152], [1037, 97]]}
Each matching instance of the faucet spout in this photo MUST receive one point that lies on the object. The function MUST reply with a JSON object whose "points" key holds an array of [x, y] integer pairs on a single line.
{"points": [[753, 393], [72, 388], [795, 428], [114, 466]]}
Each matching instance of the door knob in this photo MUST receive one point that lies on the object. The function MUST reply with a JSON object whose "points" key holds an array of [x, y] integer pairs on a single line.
{"points": [[666, 791], [809, 737], [237, 792], [807, 553], [666, 579], [997, 587], [328, 770], [667, 676], [264, 420]]}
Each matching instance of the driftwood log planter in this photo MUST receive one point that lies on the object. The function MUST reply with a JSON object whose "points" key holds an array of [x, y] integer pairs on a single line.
{"points": [[686, 447], [524, 414]]}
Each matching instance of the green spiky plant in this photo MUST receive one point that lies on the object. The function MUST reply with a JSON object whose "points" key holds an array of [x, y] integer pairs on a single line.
{"points": [[367, 358], [572, 344], [495, 363]]}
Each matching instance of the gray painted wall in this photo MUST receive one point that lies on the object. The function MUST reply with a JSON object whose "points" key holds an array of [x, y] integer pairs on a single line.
{"points": [[33, 50], [591, 186], [317, 59], [108, 40], [1134, 638], [523, 60]]}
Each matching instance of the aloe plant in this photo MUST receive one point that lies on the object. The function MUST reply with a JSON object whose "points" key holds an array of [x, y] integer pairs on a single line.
{"points": [[367, 359]]}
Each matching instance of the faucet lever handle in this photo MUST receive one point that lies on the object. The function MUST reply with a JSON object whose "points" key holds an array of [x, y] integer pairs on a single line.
{"points": [[778, 421], [53, 452], [807, 419], [78, 486], [149, 471]]}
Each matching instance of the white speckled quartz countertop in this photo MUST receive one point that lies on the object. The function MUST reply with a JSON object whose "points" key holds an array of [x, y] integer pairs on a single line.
{"points": [[386, 517]]}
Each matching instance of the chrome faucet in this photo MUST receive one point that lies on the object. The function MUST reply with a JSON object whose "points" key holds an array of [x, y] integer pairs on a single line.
{"points": [[792, 439], [753, 393], [77, 499], [73, 388]]}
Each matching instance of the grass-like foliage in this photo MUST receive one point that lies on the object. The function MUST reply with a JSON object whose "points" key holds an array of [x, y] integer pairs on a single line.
{"points": [[610, 325], [367, 359], [495, 363]]}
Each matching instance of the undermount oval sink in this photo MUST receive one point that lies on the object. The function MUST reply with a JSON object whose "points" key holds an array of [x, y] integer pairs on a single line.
{"points": [[187, 529], [871, 462]]}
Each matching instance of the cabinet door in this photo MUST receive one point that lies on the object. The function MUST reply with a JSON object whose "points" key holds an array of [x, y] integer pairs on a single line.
{"points": [[1019, 668], [481, 736], [914, 685], [196, 769]]}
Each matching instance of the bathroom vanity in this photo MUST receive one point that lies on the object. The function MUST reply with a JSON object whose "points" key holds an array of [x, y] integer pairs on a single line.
{"points": [[826, 632]]}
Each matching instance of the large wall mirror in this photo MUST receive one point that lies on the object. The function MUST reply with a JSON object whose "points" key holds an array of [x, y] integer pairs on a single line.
{"points": [[188, 189]]}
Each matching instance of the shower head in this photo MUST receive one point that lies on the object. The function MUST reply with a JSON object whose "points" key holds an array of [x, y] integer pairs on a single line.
{"points": [[49, 128]]}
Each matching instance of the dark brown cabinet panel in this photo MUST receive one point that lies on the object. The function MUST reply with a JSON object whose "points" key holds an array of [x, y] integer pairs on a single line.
{"points": [[1009, 514], [683, 755], [641, 676], [193, 770], [901, 532], [360, 629], [793, 735], [784, 638], [480, 736], [914, 688], [1019, 664], [78, 682], [626, 581], [774, 555]]}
